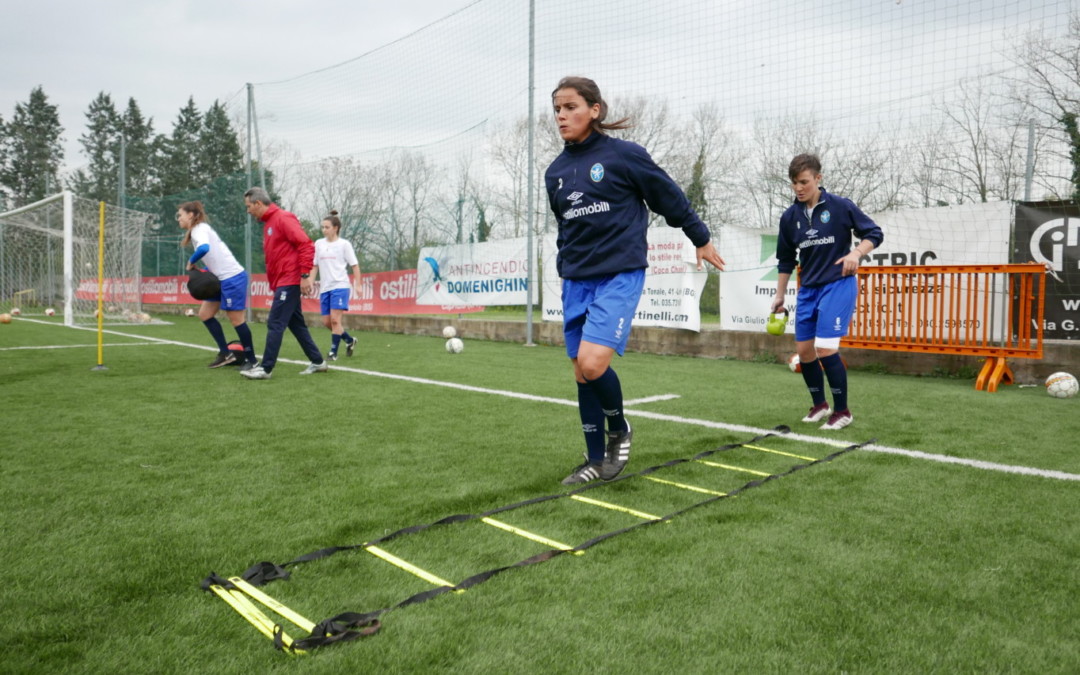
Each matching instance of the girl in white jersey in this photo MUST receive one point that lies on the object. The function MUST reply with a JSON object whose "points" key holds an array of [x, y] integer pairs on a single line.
{"points": [[333, 257], [212, 251]]}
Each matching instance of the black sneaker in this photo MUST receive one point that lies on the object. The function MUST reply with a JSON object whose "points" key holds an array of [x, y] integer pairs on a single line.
{"points": [[583, 474], [223, 360], [331, 356], [351, 347], [617, 453]]}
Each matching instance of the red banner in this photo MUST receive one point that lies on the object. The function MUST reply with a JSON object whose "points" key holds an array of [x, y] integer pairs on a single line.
{"points": [[380, 293]]}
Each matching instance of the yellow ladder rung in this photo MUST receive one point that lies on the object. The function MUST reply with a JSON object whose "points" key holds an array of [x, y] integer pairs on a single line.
{"points": [[778, 452], [732, 468], [530, 535], [614, 507], [408, 567], [255, 617], [273, 604], [684, 486]]}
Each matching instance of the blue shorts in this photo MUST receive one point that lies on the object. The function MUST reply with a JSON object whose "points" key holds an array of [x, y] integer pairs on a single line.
{"points": [[335, 299], [233, 295], [600, 310], [825, 311]]}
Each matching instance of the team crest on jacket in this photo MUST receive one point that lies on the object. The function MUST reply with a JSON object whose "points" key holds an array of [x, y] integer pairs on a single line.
{"points": [[269, 231], [826, 216], [597, 172]]}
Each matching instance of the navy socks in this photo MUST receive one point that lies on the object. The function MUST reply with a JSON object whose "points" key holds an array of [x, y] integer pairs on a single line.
{"points": [[592, 422], [608, 391], [214, 326], [815, 381], [837, 375]]}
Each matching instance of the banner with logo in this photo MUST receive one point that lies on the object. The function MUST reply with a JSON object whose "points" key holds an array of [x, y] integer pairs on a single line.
{"points": [[970, 234], [381, 293], [1049, 233], [485, 273], [673, 285]]}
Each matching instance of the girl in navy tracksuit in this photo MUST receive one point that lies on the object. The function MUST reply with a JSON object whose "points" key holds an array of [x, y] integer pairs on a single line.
{"points": [[601, 189], [818, 228]]}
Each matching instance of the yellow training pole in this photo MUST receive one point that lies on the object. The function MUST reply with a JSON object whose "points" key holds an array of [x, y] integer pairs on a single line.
{"points": [[101, 289]]}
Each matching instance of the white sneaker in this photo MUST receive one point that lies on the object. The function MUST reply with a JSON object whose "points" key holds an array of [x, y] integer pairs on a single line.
{"points": [[818, 413], [315, 368], [838, 420], [255, 373]]}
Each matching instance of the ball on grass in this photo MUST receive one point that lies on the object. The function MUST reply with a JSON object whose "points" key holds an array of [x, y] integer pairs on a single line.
{"points": [[1062, 385], [455, 345], [49, 311], [189, 312], [449, 332], [793, 363], [5, 318], [15, 311]]}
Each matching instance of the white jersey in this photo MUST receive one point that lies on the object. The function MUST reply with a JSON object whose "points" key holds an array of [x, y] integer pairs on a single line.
{"points": [[334, 258], [219, 259]]}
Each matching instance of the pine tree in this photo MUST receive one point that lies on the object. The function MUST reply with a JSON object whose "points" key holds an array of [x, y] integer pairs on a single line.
{"points": [[219, 148], [139, 150], [101, 145], [178, 169], [34, 150]]}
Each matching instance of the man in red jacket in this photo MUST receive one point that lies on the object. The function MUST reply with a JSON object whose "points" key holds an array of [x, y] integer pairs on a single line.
{"points": [[289, 258]]}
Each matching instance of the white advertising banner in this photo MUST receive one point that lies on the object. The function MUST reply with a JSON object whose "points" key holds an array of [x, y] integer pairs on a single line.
{"points": [[971, 234], [672, 283], [486, 273]]}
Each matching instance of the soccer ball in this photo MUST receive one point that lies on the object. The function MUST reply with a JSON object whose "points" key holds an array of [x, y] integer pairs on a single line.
{"points": [[49, 311], [189, 312], [5, 318], [145, 318], [455, 345], [793, 363], [1062, 385], [449, 332], [15, 311]]}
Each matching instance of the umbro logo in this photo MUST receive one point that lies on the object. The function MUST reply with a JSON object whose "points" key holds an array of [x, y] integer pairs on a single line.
{"points": [[811, 232], [574, 196]]}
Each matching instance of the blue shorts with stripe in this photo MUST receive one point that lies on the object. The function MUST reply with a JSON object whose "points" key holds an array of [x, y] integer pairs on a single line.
{"points": [[233, 295], [600, 310], [825, 311], [335, 299]]}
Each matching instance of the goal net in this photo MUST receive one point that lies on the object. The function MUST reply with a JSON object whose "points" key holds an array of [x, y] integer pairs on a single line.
{"points": [[49, 259]]}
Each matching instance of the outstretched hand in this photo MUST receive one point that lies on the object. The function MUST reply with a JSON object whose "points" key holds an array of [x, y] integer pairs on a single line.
{"points": [[709, 253], [850, 262]]}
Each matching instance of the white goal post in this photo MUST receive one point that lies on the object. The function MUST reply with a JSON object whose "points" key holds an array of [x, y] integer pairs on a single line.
{"points": [[49, 259]]}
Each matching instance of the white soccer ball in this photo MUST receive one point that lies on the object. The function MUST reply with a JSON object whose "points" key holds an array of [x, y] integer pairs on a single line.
{"points": [[49, 311], [15, 311], [793, 363], [1062, 385], [189, 312], [145, 318], [449, 332], [455, 345]]}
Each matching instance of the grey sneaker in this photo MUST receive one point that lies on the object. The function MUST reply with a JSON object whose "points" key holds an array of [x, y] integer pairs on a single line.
{"points": [[255, 373], [818, 413], [617, 453], [331, 356], [583, 474], [223, 360], [838, 420], [248, 365], [351, 347], [315, 368]]}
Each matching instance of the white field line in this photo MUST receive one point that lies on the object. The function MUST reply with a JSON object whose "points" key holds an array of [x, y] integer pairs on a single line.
{"points": [[709, 424], [92, 346], [651, 399]]}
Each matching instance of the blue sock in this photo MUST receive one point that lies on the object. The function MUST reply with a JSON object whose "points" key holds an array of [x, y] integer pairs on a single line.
{"points": [[244, 333], [335, 340], [815, 381], [592, 422], [346, 337], [609, 392], [217, 333], [837, 374]]}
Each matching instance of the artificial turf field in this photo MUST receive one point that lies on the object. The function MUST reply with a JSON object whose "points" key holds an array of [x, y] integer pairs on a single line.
{"points": [[950, 544]]}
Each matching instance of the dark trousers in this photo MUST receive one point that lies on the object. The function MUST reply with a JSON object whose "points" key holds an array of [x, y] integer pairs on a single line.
{"points": [[285, 312]]}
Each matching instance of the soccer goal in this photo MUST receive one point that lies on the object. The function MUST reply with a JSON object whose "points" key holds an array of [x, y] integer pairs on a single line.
{"points": [[49, 259]]}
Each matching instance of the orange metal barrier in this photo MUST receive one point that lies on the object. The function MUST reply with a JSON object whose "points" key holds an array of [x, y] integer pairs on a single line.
{"points": [[994, 311]]}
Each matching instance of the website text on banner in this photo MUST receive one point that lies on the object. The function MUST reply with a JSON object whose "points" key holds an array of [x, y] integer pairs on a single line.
{"points": [[672, 283], [912, 237], [381, 293], [485, 273]]}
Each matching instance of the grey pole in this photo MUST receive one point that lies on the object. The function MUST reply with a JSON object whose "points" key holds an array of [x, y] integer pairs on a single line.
{"points": [[247, 230], [532, 278], [1029, 171]]}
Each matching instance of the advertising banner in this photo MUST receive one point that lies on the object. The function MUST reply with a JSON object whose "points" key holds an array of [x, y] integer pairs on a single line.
{"points": [[1049, 233], [486, 273]]}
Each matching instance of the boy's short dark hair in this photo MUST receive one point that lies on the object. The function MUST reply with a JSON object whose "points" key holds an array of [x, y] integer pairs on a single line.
{"points": [[802, 163]]}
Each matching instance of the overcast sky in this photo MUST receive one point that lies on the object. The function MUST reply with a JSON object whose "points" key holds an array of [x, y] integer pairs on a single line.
{"points": [[160, 52]]}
